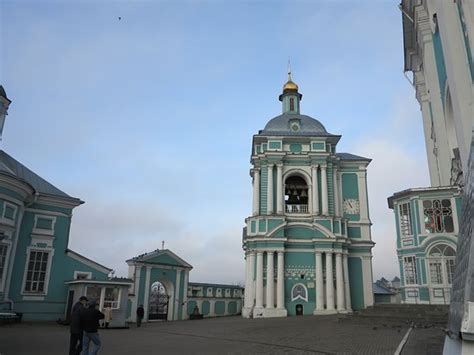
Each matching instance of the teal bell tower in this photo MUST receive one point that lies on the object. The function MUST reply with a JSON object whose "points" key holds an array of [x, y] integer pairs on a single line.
{"points": [[307, 243]]}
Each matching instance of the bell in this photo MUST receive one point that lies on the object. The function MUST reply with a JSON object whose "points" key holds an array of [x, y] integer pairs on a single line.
{"points": [[295, 192], [303, 193]]}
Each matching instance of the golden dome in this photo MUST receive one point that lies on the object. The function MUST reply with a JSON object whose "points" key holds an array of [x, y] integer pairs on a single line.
{"points": [[290, 85]]}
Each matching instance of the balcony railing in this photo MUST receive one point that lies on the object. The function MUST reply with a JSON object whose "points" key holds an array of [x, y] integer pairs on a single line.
{"points": [[296, 208]]}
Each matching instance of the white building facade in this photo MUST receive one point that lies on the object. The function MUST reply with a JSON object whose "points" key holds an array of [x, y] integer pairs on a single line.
{"points": [[438, 50]]}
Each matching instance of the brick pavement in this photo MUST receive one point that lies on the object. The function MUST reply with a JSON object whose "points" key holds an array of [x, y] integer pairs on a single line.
{"points": [[230, 335]]}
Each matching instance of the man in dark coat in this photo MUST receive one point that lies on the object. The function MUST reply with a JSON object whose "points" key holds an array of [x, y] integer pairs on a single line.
{"points": [[140, 314], [90, 323], [75, 342]]}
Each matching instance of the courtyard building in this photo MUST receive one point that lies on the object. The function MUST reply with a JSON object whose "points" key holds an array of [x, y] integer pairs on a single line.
{"points": [[427, 232], [308, 242]]}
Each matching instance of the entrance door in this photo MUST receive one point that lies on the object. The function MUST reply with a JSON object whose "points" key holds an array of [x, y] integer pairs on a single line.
{"points": [[299, 309], [159, 299]]}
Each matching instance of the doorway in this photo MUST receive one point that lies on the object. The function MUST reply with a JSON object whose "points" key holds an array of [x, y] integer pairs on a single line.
{"points": [[299, 309]]}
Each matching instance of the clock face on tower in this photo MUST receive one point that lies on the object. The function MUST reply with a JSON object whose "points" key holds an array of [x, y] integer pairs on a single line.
{"points": [[351, 206]]}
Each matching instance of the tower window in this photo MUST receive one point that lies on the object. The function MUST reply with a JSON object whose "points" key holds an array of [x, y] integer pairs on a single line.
{"points": [[296, 195], [292, 103]]}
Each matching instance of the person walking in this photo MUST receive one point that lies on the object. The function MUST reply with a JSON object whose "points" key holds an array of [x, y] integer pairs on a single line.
{"points": [[107, 315], [75, 341], [140, 314], [90, 324]]}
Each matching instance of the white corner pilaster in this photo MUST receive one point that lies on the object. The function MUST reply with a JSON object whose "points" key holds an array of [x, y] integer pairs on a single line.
{"points": [[279, 195], [256, 191], [324, 190], [270, 190]]}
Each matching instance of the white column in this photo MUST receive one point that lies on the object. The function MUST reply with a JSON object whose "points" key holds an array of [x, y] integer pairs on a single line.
{"points": [[347, 289], [270, 190], [280, 281], [176, 295], [249, 282], [336, 191], [324, 190], [226, 309], [329, 283], [247, 298], [364, 208], [279, 195], [212, 308], [259, 282], [147, 293], [314, 183], [256, 191], [138, 269], [185, 295], [319, 282], [270, 281], [339, 283]]}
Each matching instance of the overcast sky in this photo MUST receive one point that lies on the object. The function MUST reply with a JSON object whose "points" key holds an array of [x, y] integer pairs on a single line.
{"points": [[149, 118]]}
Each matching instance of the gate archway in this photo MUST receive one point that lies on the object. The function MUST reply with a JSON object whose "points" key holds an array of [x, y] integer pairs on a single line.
{"points": [[159, 302]]}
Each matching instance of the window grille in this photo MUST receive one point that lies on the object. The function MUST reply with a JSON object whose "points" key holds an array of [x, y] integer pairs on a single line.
{"points": [[438, 216], [36, 272], [405, 219], [410, 270]]}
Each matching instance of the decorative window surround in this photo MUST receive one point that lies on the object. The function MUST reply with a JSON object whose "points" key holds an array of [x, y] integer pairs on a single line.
{"points": [[38, 230], [405, 222], [78, 275], [9, 213], [5, 248], [50, 253], [410, 271], [41, 241]]}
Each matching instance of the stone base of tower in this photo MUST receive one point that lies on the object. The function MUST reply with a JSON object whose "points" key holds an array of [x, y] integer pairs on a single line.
{"points": [[247, 312], [274, 312], [320, 312]]}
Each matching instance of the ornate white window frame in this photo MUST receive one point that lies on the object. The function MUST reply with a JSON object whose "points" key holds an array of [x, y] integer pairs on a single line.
{"points": [[9, 221], [37, 230], [46, 277], [304, 298], [88, 273], [3, 277]]}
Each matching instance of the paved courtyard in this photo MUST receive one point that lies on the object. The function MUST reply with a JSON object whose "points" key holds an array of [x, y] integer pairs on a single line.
{"points": [[234, 335]]}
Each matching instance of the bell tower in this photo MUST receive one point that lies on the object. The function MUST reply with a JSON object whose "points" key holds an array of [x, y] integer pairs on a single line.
{"points": [[309, 224]]}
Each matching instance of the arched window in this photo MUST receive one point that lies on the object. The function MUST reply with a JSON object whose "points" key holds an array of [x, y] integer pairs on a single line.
{"points": [[441, 264], [292, 104], [299, 291], [296, 195]]}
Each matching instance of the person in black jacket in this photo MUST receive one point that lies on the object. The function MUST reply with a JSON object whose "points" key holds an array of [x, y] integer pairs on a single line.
{"points": [[140, 314], [75, 342], [90, 324]]}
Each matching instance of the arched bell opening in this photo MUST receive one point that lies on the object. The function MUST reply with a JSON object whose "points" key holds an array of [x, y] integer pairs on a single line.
{"points": [[296, 195]]}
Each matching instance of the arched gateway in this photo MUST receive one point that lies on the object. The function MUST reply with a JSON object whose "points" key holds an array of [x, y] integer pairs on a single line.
{"points": [[160, 284], [307, 243]]}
